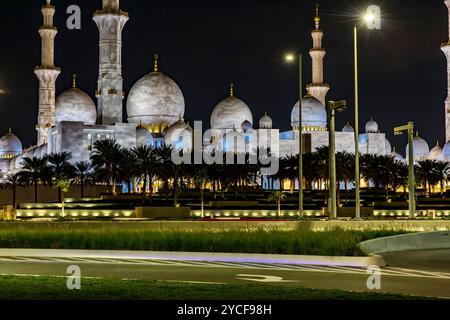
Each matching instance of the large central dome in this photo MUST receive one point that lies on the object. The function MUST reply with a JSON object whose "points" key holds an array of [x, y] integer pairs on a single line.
{"points": [[230, 113], [155, 99], [314, 115], [75, 105]]}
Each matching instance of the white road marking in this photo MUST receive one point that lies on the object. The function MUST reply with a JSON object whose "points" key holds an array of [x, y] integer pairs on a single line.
{"points": [[262, 278]]}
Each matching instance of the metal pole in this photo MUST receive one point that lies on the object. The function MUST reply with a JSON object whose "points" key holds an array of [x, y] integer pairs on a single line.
{"points": [[300, 141], [332, 165], [357, 174], [411, 178]]}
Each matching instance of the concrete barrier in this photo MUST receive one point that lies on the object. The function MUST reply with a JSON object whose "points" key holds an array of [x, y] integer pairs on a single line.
{"points": [[407, 242], [359, 262]]}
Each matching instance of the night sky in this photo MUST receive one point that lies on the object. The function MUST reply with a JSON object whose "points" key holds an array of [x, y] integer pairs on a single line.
{"points": [[205, 45]]}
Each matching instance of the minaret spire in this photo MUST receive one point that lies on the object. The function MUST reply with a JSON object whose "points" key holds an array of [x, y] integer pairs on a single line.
{"points": [[318, 89], [110, 21], [446, 49], [47, 74]]}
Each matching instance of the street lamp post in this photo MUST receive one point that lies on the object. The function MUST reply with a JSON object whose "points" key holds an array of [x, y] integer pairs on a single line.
{"points": [[291, 58], [333, 107], [409, 128], [357, 173], [369, 18]]}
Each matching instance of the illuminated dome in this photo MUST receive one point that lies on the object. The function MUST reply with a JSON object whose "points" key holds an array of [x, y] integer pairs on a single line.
{"points": [[446, 151], [10, 146], [397, 156], [179, 136], [246, 125], [388, 147], [230, 113], [314, 115], [420, 148], [372, 127], [155, 99], [265, 122], [437, 153], [348, 128], [143, 136], [75, 105]]}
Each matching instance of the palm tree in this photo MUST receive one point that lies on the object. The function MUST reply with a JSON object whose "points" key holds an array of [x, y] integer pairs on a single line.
{"points": [[82, 175], [201, 178], [146, 164], [127, 168], [34, 170], [106, 159], [441, 166], [427, 174], [277, 196], [60, 168], [12, 182]]}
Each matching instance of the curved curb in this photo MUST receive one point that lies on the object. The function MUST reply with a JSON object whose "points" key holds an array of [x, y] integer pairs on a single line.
{"points": [[359, 262], [407, 242]]}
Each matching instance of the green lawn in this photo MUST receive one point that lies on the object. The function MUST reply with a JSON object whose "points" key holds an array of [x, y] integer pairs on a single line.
{"points": [[52, 288], [337, 242]]}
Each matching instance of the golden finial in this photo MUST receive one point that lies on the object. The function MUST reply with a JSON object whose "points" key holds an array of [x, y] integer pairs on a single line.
{"points": [[417, 134], [232, 90], [155, 63], [74, 80], [9, 130], [437, 144], [317, 17]]}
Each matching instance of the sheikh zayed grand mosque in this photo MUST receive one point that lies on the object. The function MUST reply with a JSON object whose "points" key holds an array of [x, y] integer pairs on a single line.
{"points": [[71, 121]]}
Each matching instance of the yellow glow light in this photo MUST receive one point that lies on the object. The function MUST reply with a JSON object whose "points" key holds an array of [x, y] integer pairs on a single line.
{"points": [[289, 57], [369, 18]]}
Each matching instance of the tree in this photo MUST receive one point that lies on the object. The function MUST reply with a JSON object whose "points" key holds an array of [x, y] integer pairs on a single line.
{"points": [[146, 165], [60, 168], [12, 182], [63, 185], [34, 170], [277, 196], [106, 159], [82, 175], [201, 179]]}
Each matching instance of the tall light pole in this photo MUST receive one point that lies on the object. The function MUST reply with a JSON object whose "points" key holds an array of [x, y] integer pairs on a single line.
{"points": [[409, 128], [332, 108], [291, 58], [369, 18]]}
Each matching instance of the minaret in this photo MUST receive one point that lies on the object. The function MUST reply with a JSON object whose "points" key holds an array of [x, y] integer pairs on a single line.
{"points": [[47, 74], [110, 22], [318, 89], [446, 48]]}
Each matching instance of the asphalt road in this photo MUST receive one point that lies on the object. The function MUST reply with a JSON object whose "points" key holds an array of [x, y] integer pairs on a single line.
{"points": [[399, 279]]}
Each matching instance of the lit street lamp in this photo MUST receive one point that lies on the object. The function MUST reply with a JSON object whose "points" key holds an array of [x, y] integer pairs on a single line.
{"points": [[409, 128], [290, 58], [333, 107], [369, 18]]}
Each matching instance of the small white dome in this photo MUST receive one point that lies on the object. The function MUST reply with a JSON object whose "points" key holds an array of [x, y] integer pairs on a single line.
{"points": [[155, 99], [437, 153], [179, 136], [372, 127], [75, 105], [10, 145], [388, 147], [397, 156], [420, 149], [314, 115], [265, 122], [348, 128], [143, 136], [230, 113]]}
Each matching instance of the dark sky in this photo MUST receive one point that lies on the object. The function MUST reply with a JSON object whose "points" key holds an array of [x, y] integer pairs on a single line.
{"points": [[204, 45]]}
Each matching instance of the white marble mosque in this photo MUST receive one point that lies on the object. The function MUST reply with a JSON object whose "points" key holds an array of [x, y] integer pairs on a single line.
{"points": [[71, 121]]}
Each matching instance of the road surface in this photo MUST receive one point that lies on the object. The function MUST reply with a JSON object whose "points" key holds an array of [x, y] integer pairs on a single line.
{"points": [[403, 279]]}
